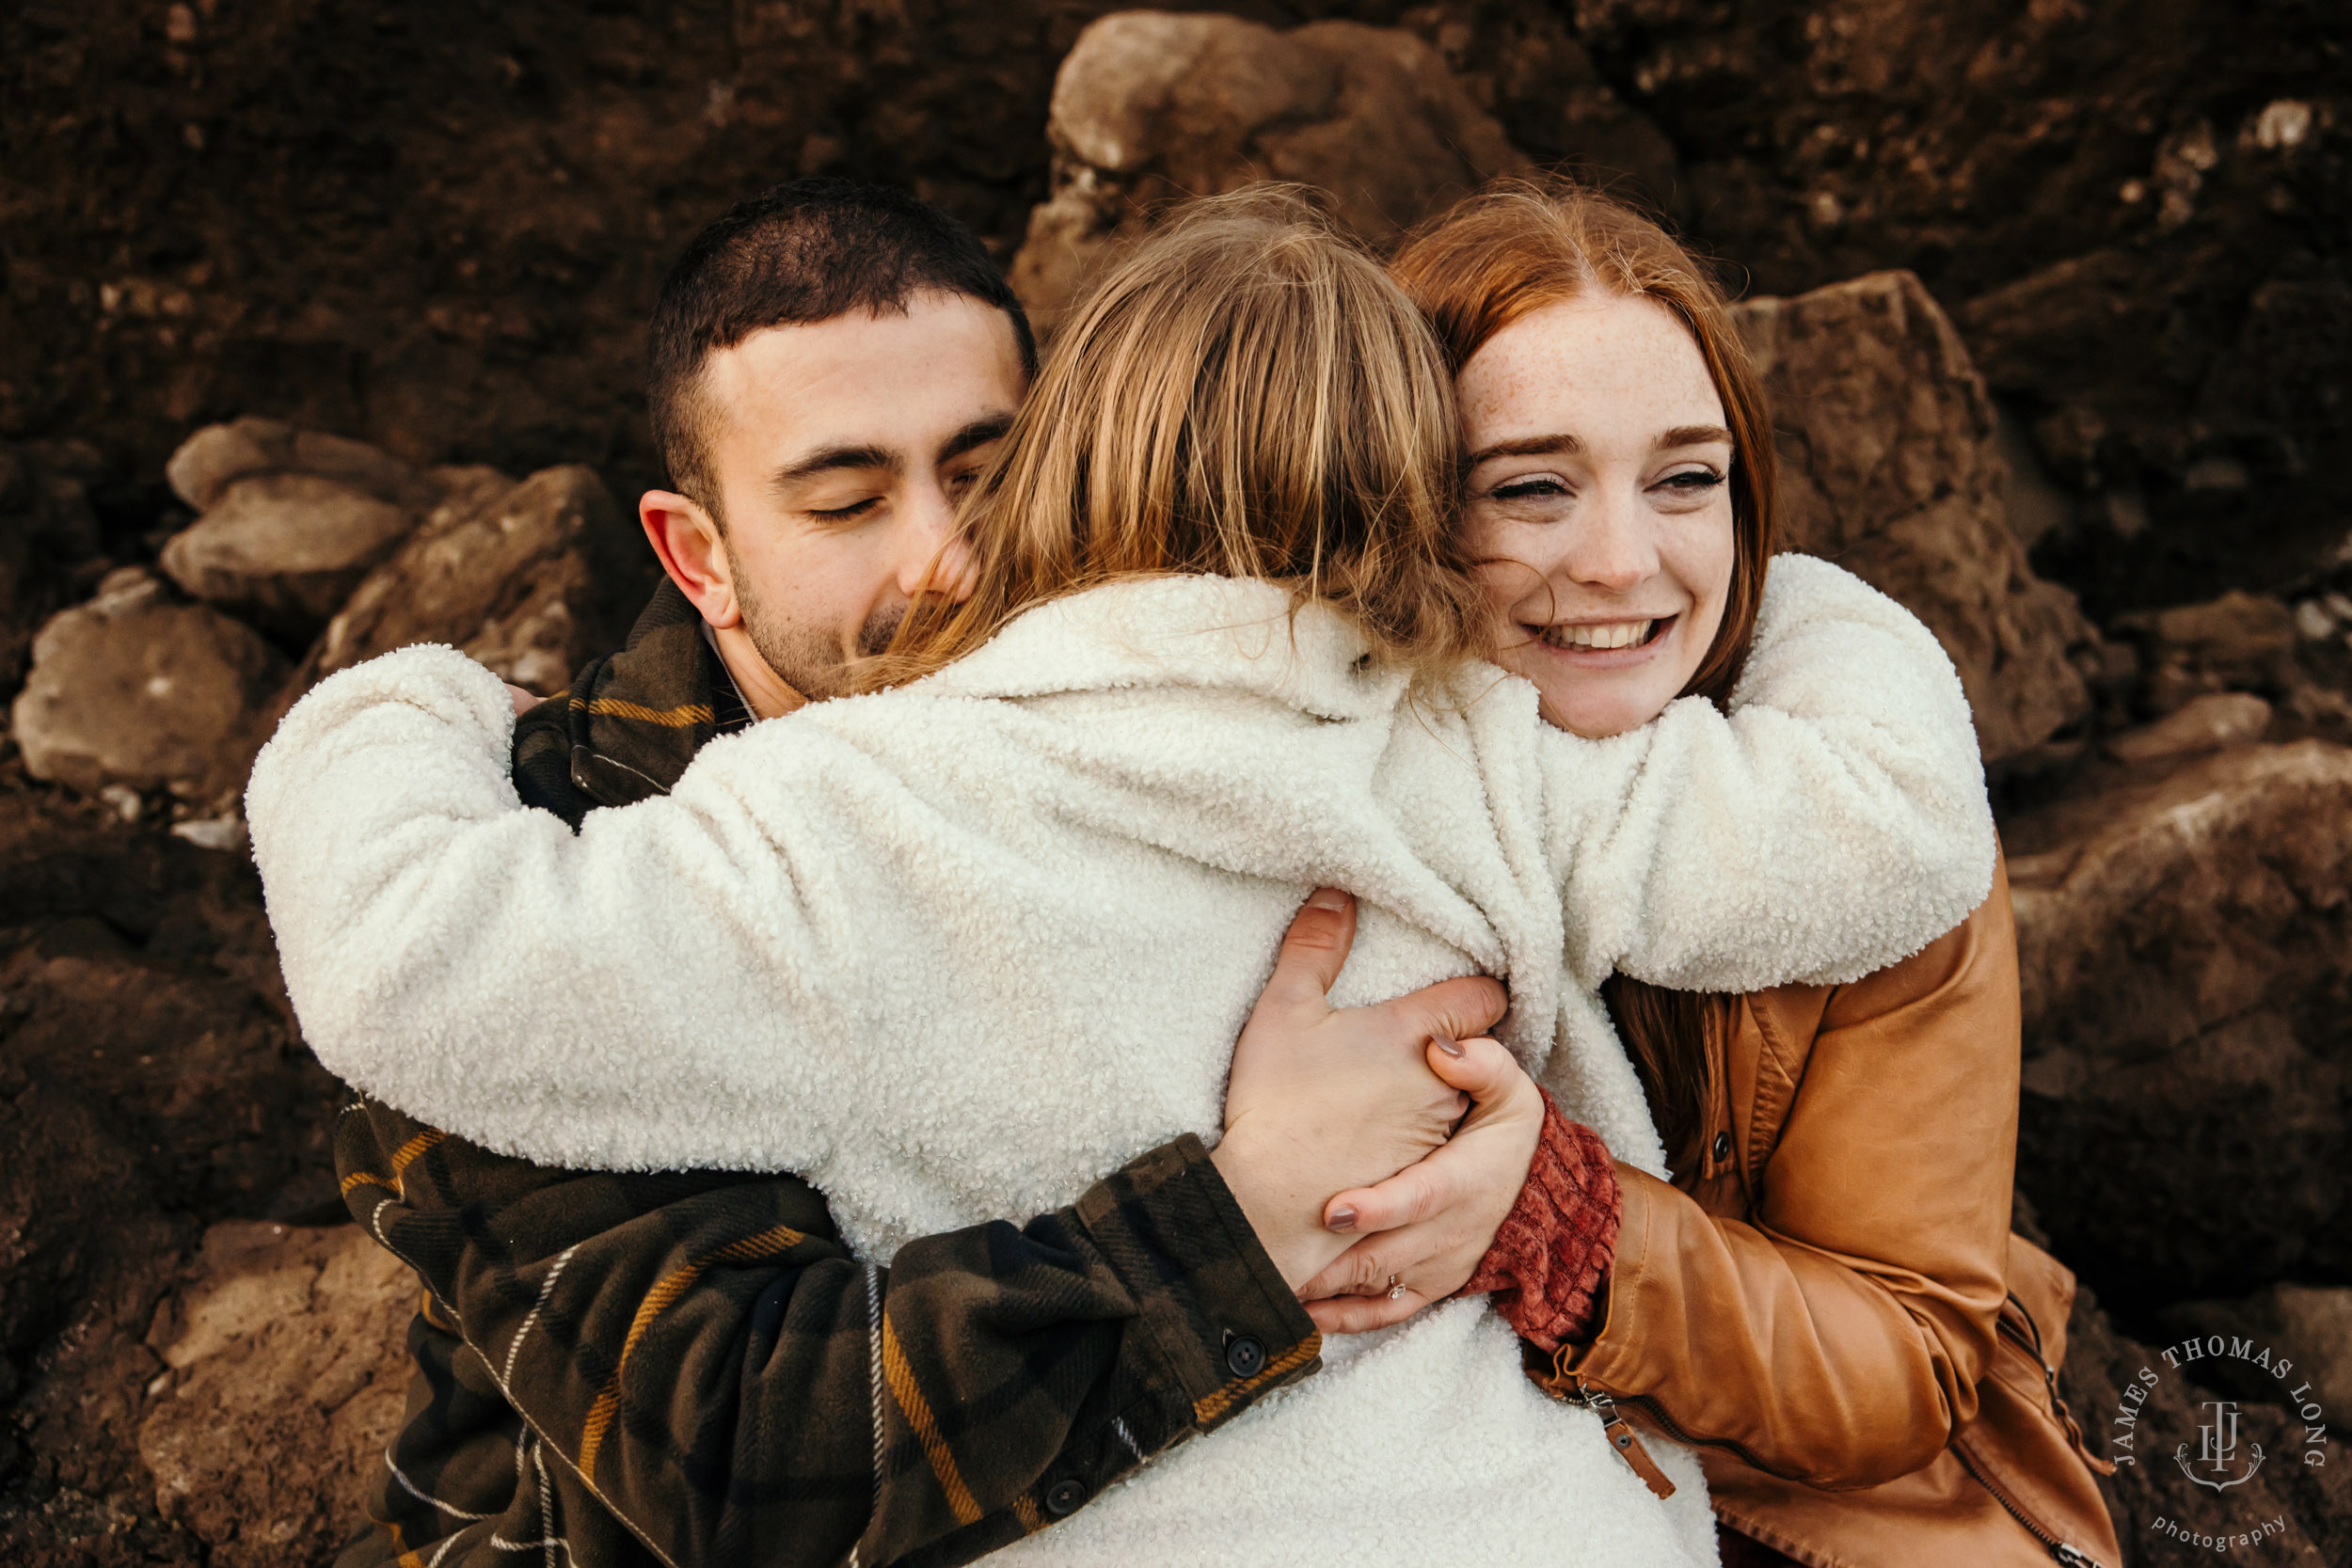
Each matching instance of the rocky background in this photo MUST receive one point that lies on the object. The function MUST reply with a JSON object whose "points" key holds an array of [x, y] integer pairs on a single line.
{"points": [[319, 334]]}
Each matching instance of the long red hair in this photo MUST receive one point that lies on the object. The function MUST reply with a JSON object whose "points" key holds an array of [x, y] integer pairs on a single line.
{"points": [[1515, 249]]}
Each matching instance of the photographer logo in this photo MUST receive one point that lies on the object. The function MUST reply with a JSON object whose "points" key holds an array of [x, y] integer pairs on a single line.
{"points": [[2223, 1454], [2219, 1449]]}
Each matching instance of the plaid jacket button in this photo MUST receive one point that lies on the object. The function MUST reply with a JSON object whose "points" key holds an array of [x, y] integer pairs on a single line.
{"points": [[1245, 1356], [1063, 1497]]}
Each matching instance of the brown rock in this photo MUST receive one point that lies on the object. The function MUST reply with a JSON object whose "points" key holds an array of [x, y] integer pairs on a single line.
{"points": [[46, 529], [515, 575], [2214, 723], [1890, 466], [2185, 949], [218, 455], [138, 689], [284, 550], [2239, 642], [2310, 1325], [287, 1369], [1150, 106]]}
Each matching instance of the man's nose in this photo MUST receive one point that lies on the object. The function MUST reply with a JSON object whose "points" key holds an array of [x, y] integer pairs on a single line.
{"points": [[1613, 545], [933, 556]]}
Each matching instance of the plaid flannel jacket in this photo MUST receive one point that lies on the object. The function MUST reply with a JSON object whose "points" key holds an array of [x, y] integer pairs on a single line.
{"points": [[689, 1368]]}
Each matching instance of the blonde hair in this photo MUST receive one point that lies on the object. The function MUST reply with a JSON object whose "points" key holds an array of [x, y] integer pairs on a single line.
{"points": [[1246, 394]]}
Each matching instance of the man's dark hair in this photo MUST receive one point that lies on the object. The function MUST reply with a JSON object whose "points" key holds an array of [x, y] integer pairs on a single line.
{"points": [[807, 250]]}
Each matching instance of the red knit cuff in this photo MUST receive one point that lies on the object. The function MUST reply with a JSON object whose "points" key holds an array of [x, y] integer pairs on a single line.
{"points": [[1551, 1255]]}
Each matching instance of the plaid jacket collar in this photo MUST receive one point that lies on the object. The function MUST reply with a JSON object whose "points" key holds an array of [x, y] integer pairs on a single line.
{"points": [[632, 720]]}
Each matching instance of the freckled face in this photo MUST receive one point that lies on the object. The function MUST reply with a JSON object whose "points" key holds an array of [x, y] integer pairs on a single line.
{"points": [[1598, 505]]}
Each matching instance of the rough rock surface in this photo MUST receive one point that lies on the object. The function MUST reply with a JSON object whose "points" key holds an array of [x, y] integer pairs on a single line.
{"points": [[150, 1084], [2214, 723], [1149, 105], [2313, 1323], [1890, 466], [46, 529], [519, 575], [287, 1367], [2185, 943], [284, 550], [133, 688], [2240, 641]]}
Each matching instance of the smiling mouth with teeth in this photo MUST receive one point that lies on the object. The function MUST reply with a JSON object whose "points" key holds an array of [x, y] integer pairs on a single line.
{"points": [[1604, 635]]}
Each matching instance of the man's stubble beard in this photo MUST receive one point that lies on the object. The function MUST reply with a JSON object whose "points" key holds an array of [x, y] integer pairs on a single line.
{"points": [[809, 659]]}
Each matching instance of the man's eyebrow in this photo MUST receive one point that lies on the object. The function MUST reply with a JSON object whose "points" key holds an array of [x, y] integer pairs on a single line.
{"points": [[833, 459], [1692, 435], [980, 433], [1563, 445]]}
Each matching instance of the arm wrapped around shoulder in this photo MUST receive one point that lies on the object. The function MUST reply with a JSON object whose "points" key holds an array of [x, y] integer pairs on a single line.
{"points": [[483, 968], [1832, 822]]}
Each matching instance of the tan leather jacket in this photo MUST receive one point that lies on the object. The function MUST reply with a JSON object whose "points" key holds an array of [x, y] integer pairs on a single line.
{"points": [[1831, 1306]]}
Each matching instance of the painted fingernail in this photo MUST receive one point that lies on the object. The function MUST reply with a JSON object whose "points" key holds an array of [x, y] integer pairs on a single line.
{"points": [[1451, 1047], [1327, 898], [1341, 1219]]}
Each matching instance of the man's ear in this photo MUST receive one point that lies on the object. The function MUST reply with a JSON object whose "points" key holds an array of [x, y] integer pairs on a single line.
{"points": [[693, 551]]}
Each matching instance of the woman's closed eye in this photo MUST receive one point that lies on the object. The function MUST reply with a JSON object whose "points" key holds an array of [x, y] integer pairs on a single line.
{"points": [[1532, 488]]}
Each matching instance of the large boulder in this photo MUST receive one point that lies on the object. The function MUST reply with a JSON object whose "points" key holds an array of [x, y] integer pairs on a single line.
{"points": [[1150, 107], [138, 689], [286, 1376], [521, 577], [1889, 465], [2185, 945], [217, 456], [284, 550]]}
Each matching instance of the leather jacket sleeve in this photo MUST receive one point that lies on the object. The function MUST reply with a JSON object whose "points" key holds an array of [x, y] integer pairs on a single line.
{"points": [[1820, 1295]]}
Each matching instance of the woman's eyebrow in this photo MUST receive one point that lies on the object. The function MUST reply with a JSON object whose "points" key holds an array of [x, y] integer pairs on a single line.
{"points": [[1563, 445], [1692, 435]]}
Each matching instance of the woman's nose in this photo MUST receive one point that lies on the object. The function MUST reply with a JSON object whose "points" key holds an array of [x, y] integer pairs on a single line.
{"points": [[1612, 545]]}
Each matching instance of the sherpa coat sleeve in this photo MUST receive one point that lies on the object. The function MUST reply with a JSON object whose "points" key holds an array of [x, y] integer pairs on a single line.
{"points": [[1848, 752], [699, 1362], [410, 893]]}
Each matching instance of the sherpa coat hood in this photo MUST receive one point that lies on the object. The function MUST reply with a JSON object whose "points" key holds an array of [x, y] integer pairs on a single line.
{"points": [[952, 950]]}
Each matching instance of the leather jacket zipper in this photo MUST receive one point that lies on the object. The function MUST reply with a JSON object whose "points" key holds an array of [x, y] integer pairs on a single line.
{"points": [[2029, 1339], [2073, 1556], [1573, 1389], [1623, 1438], [1655, 1412]]}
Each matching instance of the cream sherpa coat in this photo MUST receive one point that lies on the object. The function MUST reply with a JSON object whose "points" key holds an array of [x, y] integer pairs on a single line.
{"points": [[952, 951]]}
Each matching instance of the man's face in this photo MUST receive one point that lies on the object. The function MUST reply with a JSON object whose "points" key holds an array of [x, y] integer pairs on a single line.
{"points": [[840, 450]]}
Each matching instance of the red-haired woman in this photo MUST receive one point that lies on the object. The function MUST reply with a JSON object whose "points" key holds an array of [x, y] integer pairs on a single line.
{"points": [[1825, 1300]]}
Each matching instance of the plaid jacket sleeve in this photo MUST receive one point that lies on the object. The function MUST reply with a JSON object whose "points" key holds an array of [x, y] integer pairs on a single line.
{"points": [[696, 1358]]}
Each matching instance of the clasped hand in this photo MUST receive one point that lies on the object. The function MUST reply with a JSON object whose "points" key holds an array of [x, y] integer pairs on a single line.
{"points": [[1373, 1149]]}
